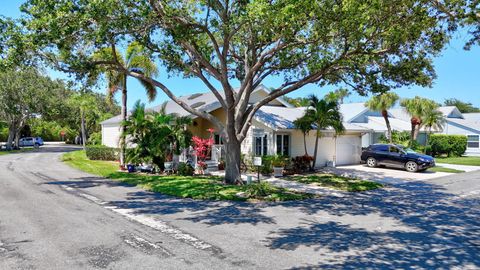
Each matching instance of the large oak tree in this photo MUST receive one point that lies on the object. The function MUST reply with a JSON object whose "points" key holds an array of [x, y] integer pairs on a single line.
{"points": [[233, 46]]}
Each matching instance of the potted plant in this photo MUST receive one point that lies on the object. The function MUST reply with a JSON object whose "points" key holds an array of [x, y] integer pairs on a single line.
{"points": [[202, 167], [278, 163], [168, 164], [131, 168], [221, 165]]}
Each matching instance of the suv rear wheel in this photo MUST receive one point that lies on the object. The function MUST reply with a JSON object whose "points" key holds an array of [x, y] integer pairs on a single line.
{"points": [[411, 166], [371, 162]]}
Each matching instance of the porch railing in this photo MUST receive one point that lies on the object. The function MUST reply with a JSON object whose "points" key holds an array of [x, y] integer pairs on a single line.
{"points": [[218, 152]]}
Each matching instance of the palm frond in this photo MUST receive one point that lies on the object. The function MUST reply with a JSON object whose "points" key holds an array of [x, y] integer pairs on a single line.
{"points": [[150, 89]]}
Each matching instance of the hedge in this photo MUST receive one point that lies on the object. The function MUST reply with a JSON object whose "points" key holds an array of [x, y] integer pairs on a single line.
{"points": [[450, 145], [100, 152]]}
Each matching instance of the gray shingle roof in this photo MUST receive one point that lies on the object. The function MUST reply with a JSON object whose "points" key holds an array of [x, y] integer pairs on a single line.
{"points": [[282, 118]]}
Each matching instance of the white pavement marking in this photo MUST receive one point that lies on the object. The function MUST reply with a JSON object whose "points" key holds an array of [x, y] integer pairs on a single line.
{"points": [[147, 221], [470, 194], [160, 226]]}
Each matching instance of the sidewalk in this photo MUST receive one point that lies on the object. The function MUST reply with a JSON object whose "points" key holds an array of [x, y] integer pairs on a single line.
{"points": [[466, 168]]}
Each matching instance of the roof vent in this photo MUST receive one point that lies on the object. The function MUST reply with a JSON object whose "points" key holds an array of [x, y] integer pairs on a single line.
{"points": [[196, 105], [194, 96]]}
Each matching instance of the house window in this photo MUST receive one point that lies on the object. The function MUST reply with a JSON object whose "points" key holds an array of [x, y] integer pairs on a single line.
{"points": [[217, 139], [283, 144], [261, 145], [473, 141]]}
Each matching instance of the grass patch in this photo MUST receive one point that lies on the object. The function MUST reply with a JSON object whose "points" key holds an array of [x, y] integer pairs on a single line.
{"points": [[443, 169], [336, 182], [21, 150], [472, 161], [79, 160], [195, 187]]}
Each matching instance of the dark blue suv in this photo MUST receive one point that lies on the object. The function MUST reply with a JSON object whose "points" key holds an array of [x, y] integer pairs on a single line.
{"points": [[398, 156]]}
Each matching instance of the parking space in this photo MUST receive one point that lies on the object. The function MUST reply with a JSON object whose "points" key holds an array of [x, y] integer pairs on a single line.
{"points": [[382, 174]]}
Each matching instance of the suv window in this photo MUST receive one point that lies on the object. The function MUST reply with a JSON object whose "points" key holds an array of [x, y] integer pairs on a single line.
{"points": [[394, 149], [380, 148]]}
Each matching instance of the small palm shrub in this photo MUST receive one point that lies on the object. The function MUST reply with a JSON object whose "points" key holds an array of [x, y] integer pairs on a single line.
{"points": [[260, 190], [185, 169]]}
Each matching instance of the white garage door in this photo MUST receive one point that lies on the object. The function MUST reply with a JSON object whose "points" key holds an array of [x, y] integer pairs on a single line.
{"points": [[348, 149]]}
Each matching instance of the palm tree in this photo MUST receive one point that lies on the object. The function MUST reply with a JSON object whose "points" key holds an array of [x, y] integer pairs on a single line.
{"points": [[338, 95], [304, 124], [382, 103], [324, 115], [433, 119], [136, 58], [417, 107]]}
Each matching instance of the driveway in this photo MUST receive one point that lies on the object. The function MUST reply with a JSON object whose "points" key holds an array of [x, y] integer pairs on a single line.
{"points": [[54, 217], [384, 175]]}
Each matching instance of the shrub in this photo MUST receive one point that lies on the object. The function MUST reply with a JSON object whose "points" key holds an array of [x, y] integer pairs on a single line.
{"points": [[260, 190], [185, 169], [100, 152], [398, 137], [450, 145], [302, 163], [3, 134], [279, 161], [95, 138], [267, 166]]}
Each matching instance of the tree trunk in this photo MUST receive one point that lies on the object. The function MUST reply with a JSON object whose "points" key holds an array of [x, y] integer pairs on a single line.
{"points": [[315, 151], [416, 131], [11, 136], [412, 131], [389, 128], [17, 137], [427, 139], [83, 130], [305, 143], [232, 161], [122, 126]]}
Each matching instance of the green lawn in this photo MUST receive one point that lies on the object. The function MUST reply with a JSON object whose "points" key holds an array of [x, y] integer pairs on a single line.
{"points": [[443, 169], [5, 152], [335, 182], [195, 187], [473, 161]]}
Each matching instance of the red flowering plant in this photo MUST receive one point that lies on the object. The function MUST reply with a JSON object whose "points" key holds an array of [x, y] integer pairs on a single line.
{"points": [[203, 147]]}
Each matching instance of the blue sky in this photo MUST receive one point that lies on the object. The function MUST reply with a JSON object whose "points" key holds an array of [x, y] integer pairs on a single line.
{"points": [[458, 75]]}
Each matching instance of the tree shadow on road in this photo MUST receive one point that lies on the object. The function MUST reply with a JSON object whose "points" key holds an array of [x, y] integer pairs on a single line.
{"points": [[443, 230]]}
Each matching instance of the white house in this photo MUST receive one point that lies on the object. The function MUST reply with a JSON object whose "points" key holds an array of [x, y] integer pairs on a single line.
{"points": [[456, 123], [272, 130]]}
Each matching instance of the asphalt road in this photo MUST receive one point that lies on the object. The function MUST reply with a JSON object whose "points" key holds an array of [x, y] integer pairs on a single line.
{"points": [[55, 217]]}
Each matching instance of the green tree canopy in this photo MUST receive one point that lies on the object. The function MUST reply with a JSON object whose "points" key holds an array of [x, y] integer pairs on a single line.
{"points": [[464, 107], [23, 94], [371, 46]]}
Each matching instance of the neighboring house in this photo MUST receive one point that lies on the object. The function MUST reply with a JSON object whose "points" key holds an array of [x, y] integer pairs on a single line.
{"points": [[467, 124], [456, 123], [272, 131]]}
